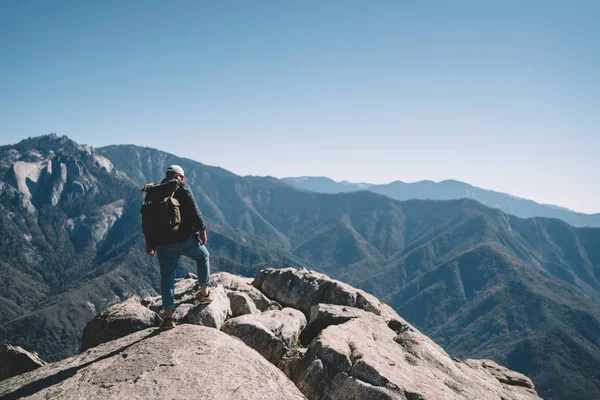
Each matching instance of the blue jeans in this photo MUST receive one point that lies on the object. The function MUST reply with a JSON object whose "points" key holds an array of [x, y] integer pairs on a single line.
{"points": [[168, 258]]}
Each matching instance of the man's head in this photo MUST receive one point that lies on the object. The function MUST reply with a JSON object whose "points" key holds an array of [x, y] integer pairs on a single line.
{"points": [[175, 171]]}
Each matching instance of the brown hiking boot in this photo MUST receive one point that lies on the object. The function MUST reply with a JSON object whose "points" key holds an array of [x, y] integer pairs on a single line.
{"points": [[205, 299], [167, 323]]}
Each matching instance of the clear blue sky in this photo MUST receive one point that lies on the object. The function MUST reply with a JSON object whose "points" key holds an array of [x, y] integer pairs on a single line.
{"points": [[501, 94]]}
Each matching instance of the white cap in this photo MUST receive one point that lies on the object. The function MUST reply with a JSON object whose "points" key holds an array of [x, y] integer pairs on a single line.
{"points": [[176, 169]]}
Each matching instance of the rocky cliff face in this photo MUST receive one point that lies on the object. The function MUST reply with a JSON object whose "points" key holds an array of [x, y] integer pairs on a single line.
{"points": [[301, 335]]}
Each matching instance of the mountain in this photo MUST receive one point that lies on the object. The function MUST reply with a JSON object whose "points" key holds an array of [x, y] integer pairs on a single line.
{"points": [[323, 184], [450, 190], [455, 264], [70, 243], [479, 281], [497, 286]]}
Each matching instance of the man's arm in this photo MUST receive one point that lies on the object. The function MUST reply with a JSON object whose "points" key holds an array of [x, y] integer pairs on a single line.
{"points": [[192, 208], [150, 248]]}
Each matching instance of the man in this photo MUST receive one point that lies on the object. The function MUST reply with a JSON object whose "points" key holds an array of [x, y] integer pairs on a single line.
{"points": [[189, 240]]}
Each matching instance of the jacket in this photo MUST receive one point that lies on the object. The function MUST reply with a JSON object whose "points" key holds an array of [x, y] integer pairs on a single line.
{"points": [[191, 219]]}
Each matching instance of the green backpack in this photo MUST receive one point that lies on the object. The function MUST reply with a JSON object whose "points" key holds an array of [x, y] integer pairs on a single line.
{"points": [[161, 212]]}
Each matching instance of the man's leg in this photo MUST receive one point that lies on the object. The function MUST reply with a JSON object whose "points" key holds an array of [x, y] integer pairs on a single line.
{"points": [[168, 259], [200, 254]]}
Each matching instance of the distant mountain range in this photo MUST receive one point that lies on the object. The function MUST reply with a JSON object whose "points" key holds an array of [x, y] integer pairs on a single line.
{"points": [[480, 282], [450, 190]]}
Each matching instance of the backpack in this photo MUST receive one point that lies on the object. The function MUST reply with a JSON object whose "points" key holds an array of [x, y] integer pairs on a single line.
{"points": [[161, 212]]}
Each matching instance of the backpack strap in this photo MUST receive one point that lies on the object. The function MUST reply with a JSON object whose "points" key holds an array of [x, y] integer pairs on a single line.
{"points": [[148, 186], [175, 190]]}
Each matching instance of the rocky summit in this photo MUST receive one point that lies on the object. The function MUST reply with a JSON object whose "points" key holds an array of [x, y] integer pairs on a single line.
{"points": [[288, 334]]}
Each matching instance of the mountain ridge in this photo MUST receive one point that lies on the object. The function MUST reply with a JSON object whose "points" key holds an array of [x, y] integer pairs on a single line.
{"points": [[449, 189]]}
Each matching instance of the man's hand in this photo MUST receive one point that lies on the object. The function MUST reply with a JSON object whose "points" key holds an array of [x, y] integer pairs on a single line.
{"points": [[150, 251], [203, 238]]}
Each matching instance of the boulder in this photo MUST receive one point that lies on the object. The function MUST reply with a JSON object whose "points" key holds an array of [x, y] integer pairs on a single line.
{"points": [[324, 315], [502, 374], [211, 314], [271, 333], [240, 284], [186, 362], [256, 336], [117, 321], [180, 313], [185, 286], [14, 360], [230, 281], [302, 289], [241, 304], [368, 357]]}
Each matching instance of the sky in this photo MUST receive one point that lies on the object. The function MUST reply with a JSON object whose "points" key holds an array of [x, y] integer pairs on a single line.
{"points": [[502, 95]]}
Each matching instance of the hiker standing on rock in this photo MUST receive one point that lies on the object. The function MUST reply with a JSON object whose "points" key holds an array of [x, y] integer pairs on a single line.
{"points": [[173, 227]]}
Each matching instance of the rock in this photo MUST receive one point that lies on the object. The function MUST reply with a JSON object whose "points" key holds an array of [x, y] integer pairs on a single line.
{"points": [[241, 304], [186, 362], [388, 313], [211, 314], [302, 289], [181, 312], [324, 315], [185, 286], [117, 321], [189, 275], [14, 361], [502, 374], [271, 333], [185, 291], [149, 301], [240, 284], [256, 336], [187, 308], [286, 324], [290, 360], [230, 281], [368, 357], [358, 348]]}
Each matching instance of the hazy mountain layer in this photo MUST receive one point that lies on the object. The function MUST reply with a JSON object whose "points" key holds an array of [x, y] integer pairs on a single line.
{"points": [[450, 190]]}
